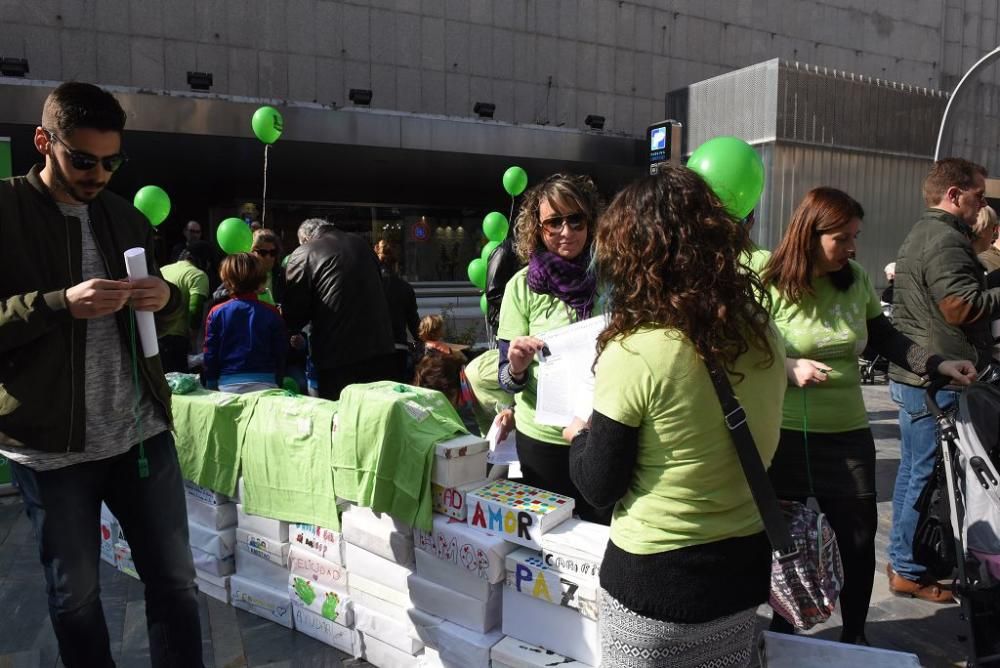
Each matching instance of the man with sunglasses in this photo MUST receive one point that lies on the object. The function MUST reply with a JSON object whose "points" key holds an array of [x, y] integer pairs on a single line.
{"points": [[84, 415]]}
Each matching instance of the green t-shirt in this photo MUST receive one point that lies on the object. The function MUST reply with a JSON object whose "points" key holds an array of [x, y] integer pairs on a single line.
{"points": [[688, 487], [524, 312], [191, 281], [489, 397], [829, 326], [757, 259]]}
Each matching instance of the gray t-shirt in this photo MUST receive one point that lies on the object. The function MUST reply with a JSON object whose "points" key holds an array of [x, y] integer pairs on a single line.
{"points": [[114, 422]]}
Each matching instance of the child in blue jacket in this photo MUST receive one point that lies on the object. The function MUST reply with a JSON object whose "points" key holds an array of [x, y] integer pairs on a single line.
{"points": [[245, 338]]}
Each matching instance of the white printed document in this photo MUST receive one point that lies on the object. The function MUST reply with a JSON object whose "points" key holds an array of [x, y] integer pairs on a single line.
{"points": [[565, 376]]}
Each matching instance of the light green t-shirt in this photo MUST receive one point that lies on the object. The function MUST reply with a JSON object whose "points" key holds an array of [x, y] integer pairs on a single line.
{"points": [[524, 312], [757, 259], [828, 326], [192, 281], [489, 397], [688, 487]]}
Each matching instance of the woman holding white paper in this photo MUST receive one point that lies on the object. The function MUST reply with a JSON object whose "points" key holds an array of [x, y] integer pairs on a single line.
{"points": [[688, 561], [553, 236]]}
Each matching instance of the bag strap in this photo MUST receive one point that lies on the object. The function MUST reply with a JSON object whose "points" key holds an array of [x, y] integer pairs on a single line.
{"points": [[760, 485]]}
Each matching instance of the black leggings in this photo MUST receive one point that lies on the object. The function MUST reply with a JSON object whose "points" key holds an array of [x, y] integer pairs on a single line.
{"points": [[854, 521], [546, 466]]}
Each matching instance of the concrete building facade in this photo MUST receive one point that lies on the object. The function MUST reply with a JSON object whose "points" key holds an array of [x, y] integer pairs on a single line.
{"points": [[546, 62]]}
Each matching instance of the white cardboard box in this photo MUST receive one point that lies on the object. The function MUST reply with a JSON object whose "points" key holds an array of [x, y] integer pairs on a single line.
{"points": [[365, 564], [448, 575], [345, 639], [527, 574], [219, 593], [325, 543], [459, 461], [109, 533], [323, 601], [213, 516], [250, 565], [205, 494], [265, 548], [402, 636], [123, 558], [521, 514], [457, 645], [514, 653], [478, 552], [379, 534], [217, 542], [451, 501], [779, 650], [464, 610], [576, 547], [383, 600], [384, 655], [306, 564], [266, 527], [209, 563], [262, 600], [553, 627], [217, 580]]}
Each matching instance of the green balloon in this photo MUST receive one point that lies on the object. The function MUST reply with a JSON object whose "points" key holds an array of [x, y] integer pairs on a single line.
{"points": [[234, 236], [477, 273], [488, 250], [153, 202], [483, 305], [289, 384], [267, 124], [515, 180], [495, 226], [733, 170]]}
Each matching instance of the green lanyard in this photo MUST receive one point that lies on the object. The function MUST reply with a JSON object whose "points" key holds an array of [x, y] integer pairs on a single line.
{"points": [[143, 462], [805, 441]]}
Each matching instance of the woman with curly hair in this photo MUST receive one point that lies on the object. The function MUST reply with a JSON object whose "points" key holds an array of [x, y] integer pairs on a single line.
{"points": [[553, 230], [825, 307], [688, 561]]}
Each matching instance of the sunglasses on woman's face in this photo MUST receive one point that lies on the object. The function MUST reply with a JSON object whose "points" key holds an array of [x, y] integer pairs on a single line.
{"points": [[576, 222], [85, 162], [273, 252]]}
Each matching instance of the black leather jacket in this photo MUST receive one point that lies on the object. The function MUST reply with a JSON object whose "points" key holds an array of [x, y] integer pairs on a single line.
{"points": [[334, 282]]}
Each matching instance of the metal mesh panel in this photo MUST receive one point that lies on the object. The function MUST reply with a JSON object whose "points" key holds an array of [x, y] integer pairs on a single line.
{"points": [[741, 104], [834, 108]]}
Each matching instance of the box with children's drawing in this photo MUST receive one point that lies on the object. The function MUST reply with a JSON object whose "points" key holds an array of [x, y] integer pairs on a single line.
{"points": [[519, 513]]}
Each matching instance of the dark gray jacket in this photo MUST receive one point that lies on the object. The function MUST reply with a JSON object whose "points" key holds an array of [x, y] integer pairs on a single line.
{"points": [[940, 298], [335, 283]]}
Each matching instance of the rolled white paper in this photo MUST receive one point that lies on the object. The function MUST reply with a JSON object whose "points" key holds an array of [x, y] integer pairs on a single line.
{"points": [[135, 264]]}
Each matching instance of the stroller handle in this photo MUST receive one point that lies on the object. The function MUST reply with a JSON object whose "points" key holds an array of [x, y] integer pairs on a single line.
{"points": [[938, 383]]}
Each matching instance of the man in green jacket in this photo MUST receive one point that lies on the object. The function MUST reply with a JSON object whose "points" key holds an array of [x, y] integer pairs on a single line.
{"points": [[84, 414], [940, 301]]}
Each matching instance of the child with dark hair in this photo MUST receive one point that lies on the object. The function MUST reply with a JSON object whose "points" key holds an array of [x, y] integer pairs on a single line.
{"points": [[245, 338]]}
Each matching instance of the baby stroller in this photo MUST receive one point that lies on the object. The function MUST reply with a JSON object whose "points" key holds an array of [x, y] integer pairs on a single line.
{"points": [[875, 368], [969, 438]]}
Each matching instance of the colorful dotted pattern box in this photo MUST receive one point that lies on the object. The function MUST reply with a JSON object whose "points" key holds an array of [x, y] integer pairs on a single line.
{"points": [[522, 497]]}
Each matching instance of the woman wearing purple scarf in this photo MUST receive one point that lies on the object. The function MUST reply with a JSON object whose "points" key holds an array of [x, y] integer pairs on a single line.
{"points": [[553, 235]]}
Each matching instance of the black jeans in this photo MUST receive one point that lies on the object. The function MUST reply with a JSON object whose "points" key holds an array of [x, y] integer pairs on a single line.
{"points": [[333, 381], [546, 466], [854, 520], [64, 506]]}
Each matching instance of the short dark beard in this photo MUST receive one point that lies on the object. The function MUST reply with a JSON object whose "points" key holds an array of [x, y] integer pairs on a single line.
{"points": [[61, 181]]}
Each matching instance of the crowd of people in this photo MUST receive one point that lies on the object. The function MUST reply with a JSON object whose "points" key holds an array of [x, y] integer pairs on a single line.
{"points": [[683, 290]]}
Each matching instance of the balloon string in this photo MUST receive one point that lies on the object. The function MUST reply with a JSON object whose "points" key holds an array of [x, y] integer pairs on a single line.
{"points": [[263, 204], [510, 217]]}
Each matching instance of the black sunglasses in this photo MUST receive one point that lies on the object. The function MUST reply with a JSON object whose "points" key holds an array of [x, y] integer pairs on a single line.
{"points": [[273, 252], [576, 221], [85, 162]]}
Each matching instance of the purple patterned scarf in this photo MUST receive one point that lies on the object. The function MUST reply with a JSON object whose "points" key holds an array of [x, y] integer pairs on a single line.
{"points": [[568, 280]]}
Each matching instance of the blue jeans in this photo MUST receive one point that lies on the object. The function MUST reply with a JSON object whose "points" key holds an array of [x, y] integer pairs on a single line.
{"points": [[64, 506], [917, 451]]}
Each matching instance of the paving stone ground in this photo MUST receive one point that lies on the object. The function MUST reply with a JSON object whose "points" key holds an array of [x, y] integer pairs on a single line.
{"points": [[233, 638]]}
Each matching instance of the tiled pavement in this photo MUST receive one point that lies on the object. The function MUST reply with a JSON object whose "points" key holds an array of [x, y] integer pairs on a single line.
{"points": [[234, 638]]}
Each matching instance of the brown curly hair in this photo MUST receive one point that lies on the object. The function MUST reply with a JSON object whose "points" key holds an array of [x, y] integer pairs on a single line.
{"points": [[668, 254], [566, 193]]}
